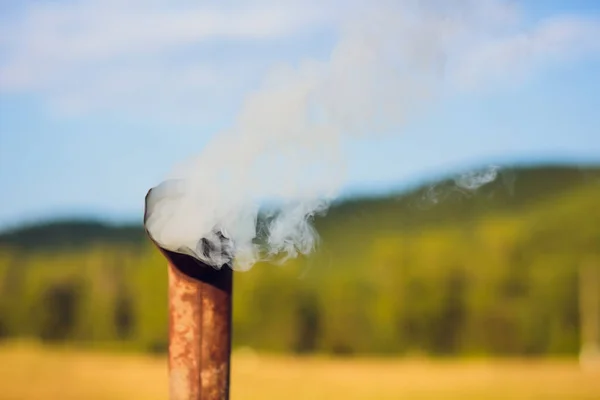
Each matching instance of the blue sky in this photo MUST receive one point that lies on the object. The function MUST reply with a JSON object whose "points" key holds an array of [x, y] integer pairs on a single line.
{"points": [[99, 100]]}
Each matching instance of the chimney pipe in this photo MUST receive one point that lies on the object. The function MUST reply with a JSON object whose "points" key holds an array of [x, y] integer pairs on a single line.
{"points": [[199, 327]]}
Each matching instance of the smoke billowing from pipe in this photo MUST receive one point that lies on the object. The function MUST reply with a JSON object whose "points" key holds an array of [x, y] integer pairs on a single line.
{"points": [[286, 144]]}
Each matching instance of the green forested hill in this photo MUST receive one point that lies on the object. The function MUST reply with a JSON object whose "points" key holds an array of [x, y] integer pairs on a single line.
{"points": [[436, 270], [438, 203], [444, 202], [70, 234]]}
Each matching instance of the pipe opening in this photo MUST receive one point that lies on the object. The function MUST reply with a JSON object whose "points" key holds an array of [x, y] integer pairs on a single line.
{"points": [[190, 266]]}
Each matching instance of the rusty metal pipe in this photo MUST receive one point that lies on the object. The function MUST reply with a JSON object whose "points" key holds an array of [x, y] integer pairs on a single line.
{"points": [[199, 330], [200, 307]]}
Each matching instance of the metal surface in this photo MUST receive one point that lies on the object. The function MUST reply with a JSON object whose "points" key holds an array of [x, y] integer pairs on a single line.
{"points": [[199, 328], [199, 332]]}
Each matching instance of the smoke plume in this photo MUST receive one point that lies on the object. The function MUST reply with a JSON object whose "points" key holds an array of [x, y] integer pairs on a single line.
{"points": [[286, 144]]}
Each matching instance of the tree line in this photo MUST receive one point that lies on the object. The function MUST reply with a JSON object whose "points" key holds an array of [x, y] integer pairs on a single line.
{"points": [[486, 273]]}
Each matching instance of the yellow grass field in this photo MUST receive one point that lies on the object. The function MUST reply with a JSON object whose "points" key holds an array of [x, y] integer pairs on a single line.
{"points": [[30, 372]]}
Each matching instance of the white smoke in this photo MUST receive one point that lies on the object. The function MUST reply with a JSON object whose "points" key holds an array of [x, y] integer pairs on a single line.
{"points": [[286, 143], [473, 180]]}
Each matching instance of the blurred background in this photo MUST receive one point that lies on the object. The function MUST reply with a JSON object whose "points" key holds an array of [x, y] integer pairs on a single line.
{"points": [[421, 288]]}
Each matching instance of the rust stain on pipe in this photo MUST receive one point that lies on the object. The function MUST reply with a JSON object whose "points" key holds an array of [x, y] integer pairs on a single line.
{"points": [[184, 337], [199, 328], [199, 332]]}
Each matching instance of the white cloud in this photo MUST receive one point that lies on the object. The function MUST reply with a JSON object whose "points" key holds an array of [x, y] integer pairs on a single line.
{"points": [[151, 57], [96, 33], [514, 55], [138, 56]]}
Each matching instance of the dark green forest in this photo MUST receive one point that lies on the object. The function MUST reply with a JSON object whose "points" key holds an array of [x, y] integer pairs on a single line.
{"points": [[435, 270]]}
